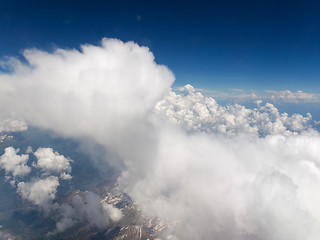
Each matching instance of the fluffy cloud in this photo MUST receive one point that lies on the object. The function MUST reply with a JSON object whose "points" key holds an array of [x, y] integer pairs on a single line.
{"points": [[98, 92], [40, 191], [48, 161], [52, 162], [13, 163], [232, 187], [195, 112], [257, 178], [85, 208], [88, 208]]}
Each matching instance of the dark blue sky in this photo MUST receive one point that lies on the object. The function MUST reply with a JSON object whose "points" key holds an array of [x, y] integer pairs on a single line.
{"points": [[210, 44]]}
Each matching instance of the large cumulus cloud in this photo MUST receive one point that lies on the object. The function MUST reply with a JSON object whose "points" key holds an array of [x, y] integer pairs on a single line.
{"points": [[96, 92], [211, 186], [211, 172]]}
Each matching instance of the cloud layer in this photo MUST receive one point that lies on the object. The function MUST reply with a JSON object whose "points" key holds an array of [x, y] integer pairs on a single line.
{"points": [[195, 112], [211, 172], [241, 95], [233, 188]]}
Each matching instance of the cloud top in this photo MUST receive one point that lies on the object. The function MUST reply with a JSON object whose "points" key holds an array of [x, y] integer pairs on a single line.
{"points": [[96, 92], [13, 163], [52, 162], [195, 112], [40, 191]]}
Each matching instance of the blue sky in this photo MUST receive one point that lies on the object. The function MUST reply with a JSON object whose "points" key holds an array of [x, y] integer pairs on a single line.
{"points": [[210, 44]]}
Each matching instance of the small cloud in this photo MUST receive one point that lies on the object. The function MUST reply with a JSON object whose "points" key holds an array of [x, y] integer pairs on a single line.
{"points": [[40, 192], [52, 162], [13, 163], [258, 102], [29, 149], [65, 176]]}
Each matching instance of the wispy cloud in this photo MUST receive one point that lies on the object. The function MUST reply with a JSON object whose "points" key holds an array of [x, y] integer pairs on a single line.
{"points": [[267, 95], [289, 96]]}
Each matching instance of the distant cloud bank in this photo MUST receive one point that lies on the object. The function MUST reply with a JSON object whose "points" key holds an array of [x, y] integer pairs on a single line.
{"points": [[242, 95], [298, 96]]}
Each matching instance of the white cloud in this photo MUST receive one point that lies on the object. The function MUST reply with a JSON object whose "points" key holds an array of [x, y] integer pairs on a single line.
{"points": [[256, 179], [241, 95], [40, 191], [52, 162], [12, 125], [90, 208], [289, 96], [196, 112], [97, 92], [13, 163], [86, 208], [29, 149], [65, 176], [66, 219], [232, 187]]}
